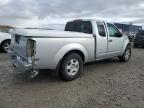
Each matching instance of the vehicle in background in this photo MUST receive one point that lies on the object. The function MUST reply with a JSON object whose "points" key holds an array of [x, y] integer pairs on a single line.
{"points": [[5, 39], [83, 41], [139, 39], [131, 37]]}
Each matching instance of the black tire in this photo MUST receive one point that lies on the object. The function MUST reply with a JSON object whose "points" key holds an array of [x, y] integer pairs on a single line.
{"points": [[5, 45], [126, 55], [68, 74]]}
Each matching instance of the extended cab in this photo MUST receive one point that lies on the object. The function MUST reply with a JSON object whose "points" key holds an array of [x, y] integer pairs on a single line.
{"points": [[82, 41]]}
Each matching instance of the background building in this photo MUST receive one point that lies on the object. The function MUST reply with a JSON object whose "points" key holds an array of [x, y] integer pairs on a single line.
{"points": [[128, 28], [5, 28]]}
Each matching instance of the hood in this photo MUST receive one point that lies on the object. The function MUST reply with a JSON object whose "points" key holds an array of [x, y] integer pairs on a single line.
{"points": [[49, 33]]}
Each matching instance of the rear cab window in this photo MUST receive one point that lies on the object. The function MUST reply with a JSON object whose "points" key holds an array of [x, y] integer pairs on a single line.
{"points": [[79, 26]]}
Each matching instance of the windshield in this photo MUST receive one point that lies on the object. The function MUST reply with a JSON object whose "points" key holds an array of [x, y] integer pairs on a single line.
{"points": [[79, 26]]}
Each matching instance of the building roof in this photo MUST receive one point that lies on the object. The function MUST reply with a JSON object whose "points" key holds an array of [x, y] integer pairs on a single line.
{"points": [[5, 28]]}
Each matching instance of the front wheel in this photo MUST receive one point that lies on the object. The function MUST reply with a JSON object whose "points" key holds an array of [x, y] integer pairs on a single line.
{"points": [[71, 67], [126, 55]]}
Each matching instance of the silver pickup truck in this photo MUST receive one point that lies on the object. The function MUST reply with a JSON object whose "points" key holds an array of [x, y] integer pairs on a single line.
{"points": [[83, 41]]}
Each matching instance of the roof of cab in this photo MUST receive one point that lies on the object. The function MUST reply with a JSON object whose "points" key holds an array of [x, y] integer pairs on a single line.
{"points": [[84, 20]]}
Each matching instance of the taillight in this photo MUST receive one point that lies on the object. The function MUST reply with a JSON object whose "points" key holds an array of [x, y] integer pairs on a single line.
{"points": [[30, 48]]}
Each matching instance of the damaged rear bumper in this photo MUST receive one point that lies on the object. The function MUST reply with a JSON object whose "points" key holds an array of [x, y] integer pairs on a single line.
{"points": [[21, 65]]}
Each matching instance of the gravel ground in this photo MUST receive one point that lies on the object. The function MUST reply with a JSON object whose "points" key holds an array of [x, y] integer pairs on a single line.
{"points": [[104, 84]]}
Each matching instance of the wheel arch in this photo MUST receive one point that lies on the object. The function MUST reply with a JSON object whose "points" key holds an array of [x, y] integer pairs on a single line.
{"points": [[75, 51], [71, 48], [4, 41], [127, 43]]}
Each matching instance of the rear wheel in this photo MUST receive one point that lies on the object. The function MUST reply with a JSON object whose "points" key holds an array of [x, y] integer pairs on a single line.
{"points": [[5, 45], [71, 67]]}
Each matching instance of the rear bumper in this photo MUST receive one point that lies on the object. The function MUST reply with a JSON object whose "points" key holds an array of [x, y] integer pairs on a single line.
{"points": [[21, 65]]}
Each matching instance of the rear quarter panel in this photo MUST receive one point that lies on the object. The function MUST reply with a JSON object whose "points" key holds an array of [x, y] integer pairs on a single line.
{"points": [[51, 50]]}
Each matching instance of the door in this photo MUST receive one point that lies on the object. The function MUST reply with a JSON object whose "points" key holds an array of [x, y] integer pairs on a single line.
{"points": [[115, 40], [101, 40]]}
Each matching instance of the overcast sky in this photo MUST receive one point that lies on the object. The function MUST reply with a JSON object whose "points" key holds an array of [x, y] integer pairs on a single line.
{"points": [[41, 13]]}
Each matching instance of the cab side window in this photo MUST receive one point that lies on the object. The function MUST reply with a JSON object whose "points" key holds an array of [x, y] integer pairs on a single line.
{"points": [[113, 31], [101, 29]]}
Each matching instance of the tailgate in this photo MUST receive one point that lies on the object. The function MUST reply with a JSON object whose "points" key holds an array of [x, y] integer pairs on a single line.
{"points": [[19, 45]]}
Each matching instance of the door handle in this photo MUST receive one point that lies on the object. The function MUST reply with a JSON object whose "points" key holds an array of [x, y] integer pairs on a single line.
{"points": [[110, 40]]}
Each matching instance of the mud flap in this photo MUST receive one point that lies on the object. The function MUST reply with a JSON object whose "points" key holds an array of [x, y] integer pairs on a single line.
{"points": [[33, 74]]}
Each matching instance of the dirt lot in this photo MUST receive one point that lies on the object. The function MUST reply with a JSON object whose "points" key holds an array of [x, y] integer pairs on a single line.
{"points": [[104, 84]]}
